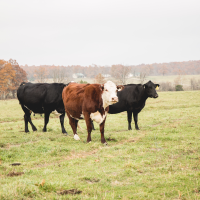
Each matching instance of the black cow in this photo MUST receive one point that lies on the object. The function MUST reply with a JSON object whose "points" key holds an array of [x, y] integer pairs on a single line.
{"points": [[41, 98], [132, 99]]}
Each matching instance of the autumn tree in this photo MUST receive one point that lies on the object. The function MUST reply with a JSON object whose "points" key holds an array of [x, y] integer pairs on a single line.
{"points": [[120, 72], [7, 74], [100, 79], [163, 69], [20, 76], [40, 74], [11, 75]]}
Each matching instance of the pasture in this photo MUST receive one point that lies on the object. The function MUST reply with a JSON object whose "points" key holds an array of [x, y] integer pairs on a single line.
{"points": [[161, 161]]}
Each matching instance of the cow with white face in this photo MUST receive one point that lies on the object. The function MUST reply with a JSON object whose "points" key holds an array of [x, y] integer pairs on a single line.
{"points": [[109, 94], [91, 102]]}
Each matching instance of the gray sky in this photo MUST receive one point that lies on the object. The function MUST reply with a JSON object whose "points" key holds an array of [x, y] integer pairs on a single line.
{"points": [[102, 32]]}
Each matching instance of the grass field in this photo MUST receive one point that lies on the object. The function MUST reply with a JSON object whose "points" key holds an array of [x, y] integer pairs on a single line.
{"points": [[161, 161]]}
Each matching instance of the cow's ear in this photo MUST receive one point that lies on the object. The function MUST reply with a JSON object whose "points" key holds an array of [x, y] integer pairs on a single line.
{"points": [[101, 87], [120, 87], [157, 86]]}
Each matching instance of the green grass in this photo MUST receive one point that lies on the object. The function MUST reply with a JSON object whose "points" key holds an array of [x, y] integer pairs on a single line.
{"points": [[161, 161]]}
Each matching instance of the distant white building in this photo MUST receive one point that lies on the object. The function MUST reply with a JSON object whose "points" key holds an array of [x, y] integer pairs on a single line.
{"points": [[78, 75], [106, 75], [129, 75]]}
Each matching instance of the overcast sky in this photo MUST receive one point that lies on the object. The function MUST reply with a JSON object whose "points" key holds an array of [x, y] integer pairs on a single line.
{"points": [[102, 32]]}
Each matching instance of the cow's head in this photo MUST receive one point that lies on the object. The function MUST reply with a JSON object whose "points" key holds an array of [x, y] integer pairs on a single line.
{"points": [[150, 89], [109, 94]]}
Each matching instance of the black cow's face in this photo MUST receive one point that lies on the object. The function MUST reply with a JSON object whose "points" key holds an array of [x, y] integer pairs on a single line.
{"points": [[150, 89]]}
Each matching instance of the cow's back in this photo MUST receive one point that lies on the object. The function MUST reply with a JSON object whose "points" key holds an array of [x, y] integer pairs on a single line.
{"points": [[80, 98], [38, 96], [73, 96]]}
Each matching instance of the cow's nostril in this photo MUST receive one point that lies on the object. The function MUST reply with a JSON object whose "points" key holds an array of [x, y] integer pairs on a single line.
{"points": [[114, 98]]}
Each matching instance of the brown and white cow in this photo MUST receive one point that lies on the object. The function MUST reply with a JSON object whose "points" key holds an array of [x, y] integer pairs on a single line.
{"points": [[91, 102]]}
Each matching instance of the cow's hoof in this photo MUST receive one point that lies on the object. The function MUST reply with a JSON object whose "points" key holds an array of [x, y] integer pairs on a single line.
{"points": [[105, 143], [76, 137], [65, 134]]}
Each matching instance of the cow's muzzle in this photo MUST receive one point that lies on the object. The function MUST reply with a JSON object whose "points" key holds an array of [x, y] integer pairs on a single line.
{"points": [[114, 99], [156, 96]]}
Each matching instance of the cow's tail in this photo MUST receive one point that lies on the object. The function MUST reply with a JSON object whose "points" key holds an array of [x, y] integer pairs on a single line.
{"points": [[80, 128]]}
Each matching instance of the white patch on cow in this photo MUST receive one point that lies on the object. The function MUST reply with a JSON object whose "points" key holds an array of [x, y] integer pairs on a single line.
{"points": [[97, 117], [76, 137], [74, 117], [109, 95], [82, 116], [56, 113]]}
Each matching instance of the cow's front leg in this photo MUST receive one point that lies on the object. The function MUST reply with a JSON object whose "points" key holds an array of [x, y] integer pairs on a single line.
{"points": [[135, 115], [103, 140], [129, 118], [26, 123], [89, 126], [62, 123], [46, 120], [73, 123]]}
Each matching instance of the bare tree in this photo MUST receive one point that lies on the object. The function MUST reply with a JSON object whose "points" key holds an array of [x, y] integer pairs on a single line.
{"points": [[100, 79], [120, 72], [144, 72], [41, 74], [195, 84], [163, 69], [61, 74]]}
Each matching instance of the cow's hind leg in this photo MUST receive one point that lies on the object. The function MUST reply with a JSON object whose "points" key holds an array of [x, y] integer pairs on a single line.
{"points": [[73, 122], [46, 120], [89, 126], [31, 123], [27, 118], [62, 123], [135, 115], [129, 118]]}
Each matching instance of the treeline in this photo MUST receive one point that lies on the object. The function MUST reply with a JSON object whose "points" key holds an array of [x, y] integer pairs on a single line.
{"points": [[155, 69], [11, 75]]}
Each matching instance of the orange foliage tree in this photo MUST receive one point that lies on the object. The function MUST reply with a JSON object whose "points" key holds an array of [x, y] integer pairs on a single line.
{"points": [[11, 75]]}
